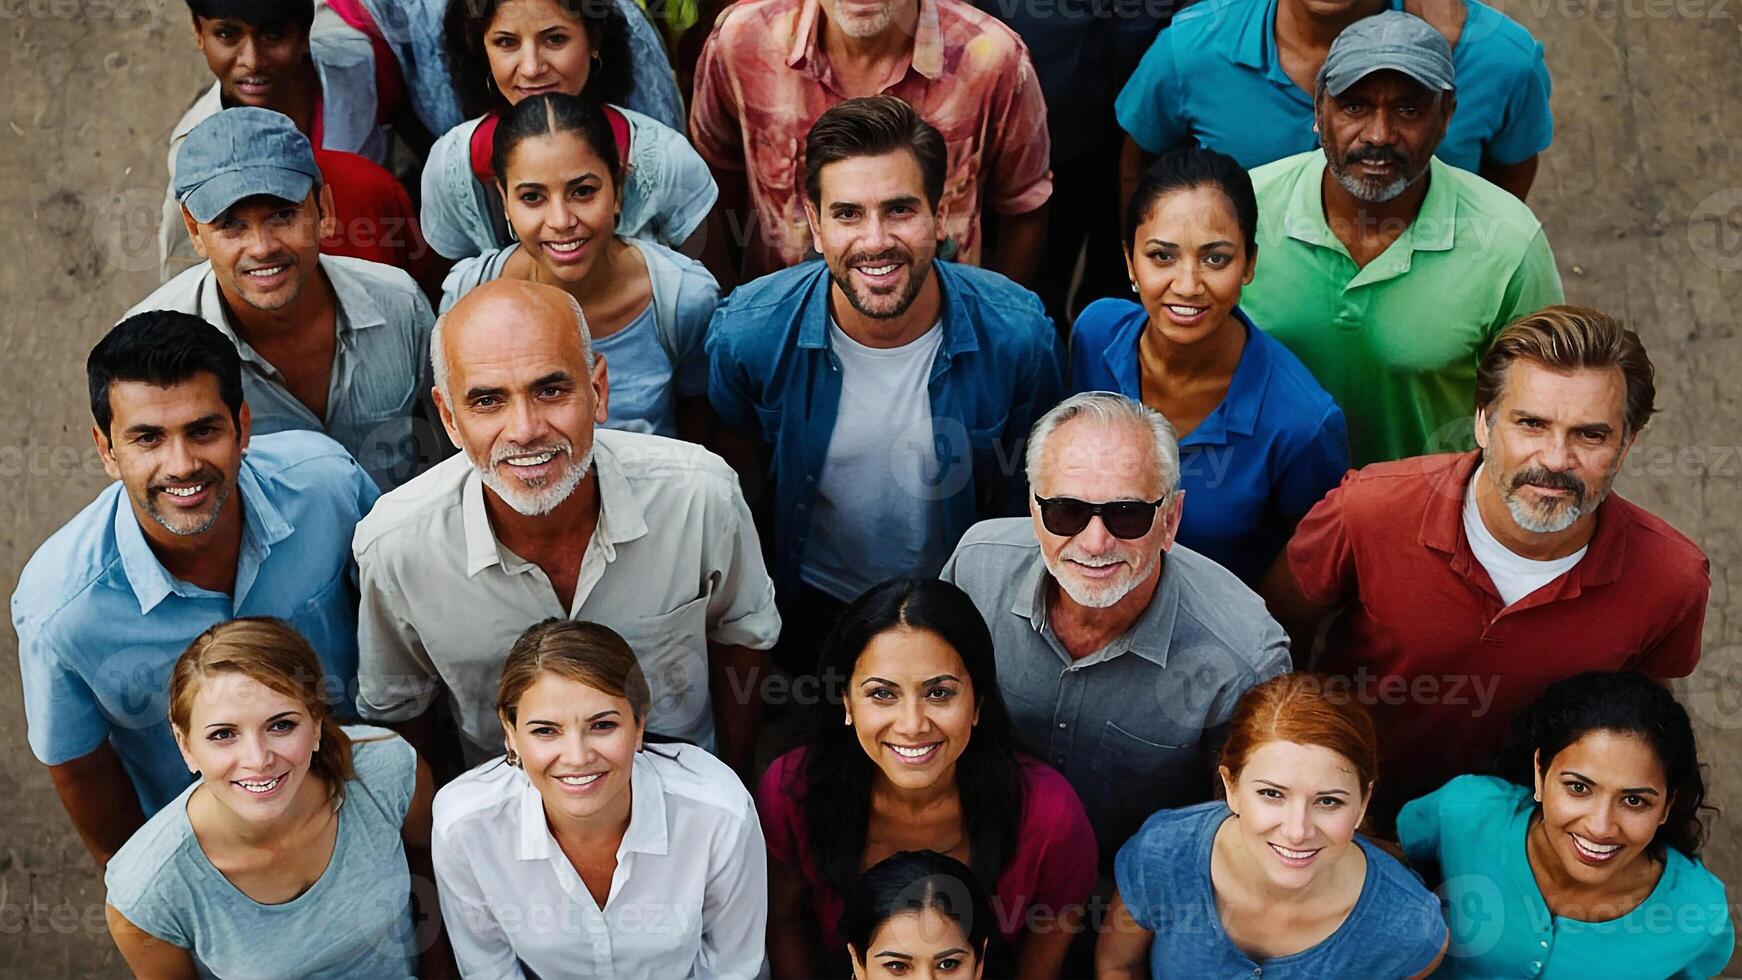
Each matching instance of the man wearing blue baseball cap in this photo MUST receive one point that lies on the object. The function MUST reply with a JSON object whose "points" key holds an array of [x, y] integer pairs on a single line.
{"points": [[1386, 270], [329, 343]]}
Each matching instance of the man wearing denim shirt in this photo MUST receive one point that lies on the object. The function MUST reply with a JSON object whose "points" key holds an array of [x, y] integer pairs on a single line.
{"points": [[887, 393]]}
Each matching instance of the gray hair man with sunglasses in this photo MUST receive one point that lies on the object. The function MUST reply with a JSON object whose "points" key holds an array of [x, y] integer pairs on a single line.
{"points": [[1120, 653]]}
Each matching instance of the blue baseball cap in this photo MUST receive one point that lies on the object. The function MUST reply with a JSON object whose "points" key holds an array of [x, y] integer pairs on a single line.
{"points": [[243, 152], [1390, 40]]}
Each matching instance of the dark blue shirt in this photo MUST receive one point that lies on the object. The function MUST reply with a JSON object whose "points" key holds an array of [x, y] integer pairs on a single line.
{"points": [[771, 372], [1214, 78], [1257, 463], [1394, 930]]}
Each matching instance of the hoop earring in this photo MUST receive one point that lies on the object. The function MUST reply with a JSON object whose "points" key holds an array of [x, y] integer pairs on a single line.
{"points": [[512, 759]]}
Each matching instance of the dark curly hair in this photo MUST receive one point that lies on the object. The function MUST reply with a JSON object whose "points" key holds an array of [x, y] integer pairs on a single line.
{"points": [[1624, 703], [463, 28]]}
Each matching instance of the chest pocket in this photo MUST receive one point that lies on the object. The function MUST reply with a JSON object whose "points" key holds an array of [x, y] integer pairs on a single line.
{"points": [[672, 649], [1149, 767]]}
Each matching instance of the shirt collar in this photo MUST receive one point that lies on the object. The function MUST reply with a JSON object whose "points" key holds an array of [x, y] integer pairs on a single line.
{"points": [[354, 309], [263, 525], [1255, 45], [647, 823], [621, 517], [1149, 637], [804, 52], [1237, 414], [814, 316], [1442, 529], [1433, 229]]}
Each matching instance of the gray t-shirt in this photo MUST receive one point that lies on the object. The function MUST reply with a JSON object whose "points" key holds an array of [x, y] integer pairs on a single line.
{"points": [[1134, 726], [873, 519], [355, 921]]}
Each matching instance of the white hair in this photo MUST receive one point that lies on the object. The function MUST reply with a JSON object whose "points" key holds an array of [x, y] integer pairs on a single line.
{"points": [[438, 359], [1108, 408]]}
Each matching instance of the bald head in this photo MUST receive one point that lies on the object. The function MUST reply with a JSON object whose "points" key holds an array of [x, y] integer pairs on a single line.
{"points": [[507, 311]]}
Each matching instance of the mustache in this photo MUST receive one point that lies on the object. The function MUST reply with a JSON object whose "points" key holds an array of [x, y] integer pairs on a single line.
{"points": [[1376, 154], [1544, 477], [510, 450], [206, 475], [885, 257]]}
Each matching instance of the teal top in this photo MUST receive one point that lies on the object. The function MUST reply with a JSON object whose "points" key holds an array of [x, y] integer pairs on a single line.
{"points": [[1473, 827], [354, 921]]}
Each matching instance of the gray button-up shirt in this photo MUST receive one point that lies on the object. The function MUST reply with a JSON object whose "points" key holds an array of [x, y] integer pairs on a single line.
{"points": [[1134, 725], [673, 564], [380, 364]]}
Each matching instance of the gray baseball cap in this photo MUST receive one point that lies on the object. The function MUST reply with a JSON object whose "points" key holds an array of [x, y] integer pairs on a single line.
{"points": [[240, 153], [1392, 40]]}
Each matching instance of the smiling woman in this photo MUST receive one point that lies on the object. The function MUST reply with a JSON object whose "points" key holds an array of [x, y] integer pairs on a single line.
{"points": [[915, 752], [1583, 860], [297, 840], [1274, 880], [585, 852]]}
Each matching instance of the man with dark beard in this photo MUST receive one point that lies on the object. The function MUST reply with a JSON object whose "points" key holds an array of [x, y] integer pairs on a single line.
{"points": [[1386, 271], [1470, 582], [203, 524], [893, 390]]}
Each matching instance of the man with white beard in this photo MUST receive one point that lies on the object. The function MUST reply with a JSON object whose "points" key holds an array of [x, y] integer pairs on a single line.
{"points": [[544, 515], [1386, 270], [1120, 653]]}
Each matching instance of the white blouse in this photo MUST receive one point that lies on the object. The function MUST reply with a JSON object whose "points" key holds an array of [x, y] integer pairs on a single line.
{"points": [[689, 897]]}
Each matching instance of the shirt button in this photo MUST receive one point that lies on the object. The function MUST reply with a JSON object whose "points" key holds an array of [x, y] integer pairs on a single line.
{"points": [[1545, 944], [1537, 965], [1058, 760], [1061, 724]]}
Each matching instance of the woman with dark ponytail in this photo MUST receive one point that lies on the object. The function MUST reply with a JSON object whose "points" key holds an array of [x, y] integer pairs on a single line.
{"points": [[1582, 858], [501, 52], [297, 841], [647, 307]]}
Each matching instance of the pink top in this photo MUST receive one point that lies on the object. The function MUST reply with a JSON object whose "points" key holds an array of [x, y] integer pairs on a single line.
{"points": [[1054, 866], [763, 79]]}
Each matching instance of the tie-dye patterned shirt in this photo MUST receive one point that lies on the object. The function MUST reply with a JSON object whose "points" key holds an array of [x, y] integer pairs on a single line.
{"points": [[764, 78]]}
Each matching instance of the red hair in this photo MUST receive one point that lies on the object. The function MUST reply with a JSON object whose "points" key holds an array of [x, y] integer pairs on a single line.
{"points": [[1306, 709]]}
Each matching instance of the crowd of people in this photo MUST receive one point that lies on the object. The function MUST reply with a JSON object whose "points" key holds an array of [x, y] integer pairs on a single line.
{"points": [[791, 551]]}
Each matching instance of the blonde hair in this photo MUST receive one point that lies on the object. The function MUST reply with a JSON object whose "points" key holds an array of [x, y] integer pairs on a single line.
{"points": [[587, 653], [1568, 338], [273, 654]]}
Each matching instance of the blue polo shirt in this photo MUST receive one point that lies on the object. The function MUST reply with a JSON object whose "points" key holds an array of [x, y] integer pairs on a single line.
{"points": [[101, 622], [1214, 77], [1257, 463], [772, 373]]}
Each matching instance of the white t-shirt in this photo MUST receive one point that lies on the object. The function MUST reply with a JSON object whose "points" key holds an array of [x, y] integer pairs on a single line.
{"points": [[873, 518], [1514, 576]]}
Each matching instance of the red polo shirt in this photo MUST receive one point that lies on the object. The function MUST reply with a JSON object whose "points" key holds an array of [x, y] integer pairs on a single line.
{"points": [[1429, 646]]}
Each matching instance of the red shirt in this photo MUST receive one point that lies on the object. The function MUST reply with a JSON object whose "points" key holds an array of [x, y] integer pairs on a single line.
{"points": [[1054, 865], [1425, 642], [375, 216]]}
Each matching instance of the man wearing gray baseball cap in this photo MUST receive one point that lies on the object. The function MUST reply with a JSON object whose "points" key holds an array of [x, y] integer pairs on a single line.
{"points": [[329, 343], [1386, 270]]}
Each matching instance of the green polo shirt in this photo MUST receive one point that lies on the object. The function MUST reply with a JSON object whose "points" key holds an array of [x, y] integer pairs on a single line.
{"points": [[1396, 342]]}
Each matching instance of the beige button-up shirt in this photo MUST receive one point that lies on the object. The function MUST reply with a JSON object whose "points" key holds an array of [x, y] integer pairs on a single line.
{"points": [[674, 563]]}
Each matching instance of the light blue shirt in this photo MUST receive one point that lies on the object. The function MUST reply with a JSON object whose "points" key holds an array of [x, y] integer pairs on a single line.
{"points": [[380, 374], [1270, 450], [667, 192], [413, 29], [1394, 930], [1214, 78], [353, 922], [656, 359], [1473, 828], [101, 622]]}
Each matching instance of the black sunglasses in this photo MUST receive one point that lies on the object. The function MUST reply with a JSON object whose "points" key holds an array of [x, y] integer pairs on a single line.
{"points": [[1127, 519]]}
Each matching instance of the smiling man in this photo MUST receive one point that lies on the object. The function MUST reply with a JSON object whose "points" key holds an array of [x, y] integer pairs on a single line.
{"points": [[1471, 582], [203, 525], [890, 391], [545, 515], [1386, 270], [1121, 654], [333, 344]]}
